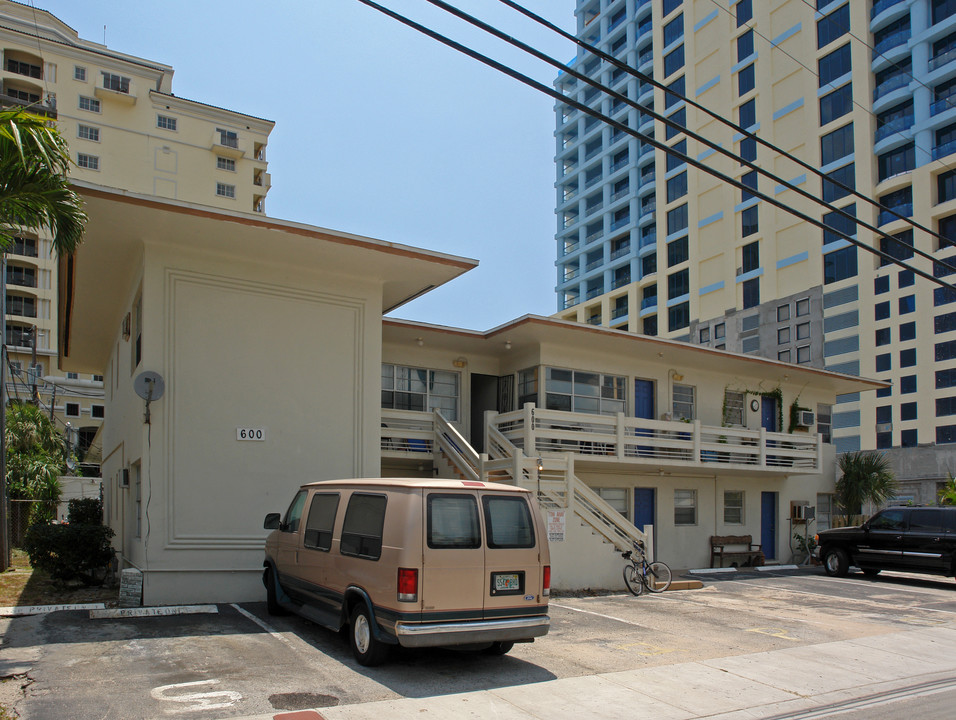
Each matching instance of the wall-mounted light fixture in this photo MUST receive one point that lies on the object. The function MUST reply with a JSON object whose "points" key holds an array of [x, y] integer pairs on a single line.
{"points": [[420, 341], [459, 362], [507, 344]]}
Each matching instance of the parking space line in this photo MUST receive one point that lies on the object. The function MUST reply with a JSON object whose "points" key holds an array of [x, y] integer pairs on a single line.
{"points": [[867, 600], [600, 615], [264, 625]]}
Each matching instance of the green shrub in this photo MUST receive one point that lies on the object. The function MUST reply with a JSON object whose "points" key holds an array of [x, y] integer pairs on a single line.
{"points": [[85, 511], [70, 552]]}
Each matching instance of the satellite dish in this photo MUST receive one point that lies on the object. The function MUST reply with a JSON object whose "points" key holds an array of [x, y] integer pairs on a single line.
{"points": [[149, 385]]}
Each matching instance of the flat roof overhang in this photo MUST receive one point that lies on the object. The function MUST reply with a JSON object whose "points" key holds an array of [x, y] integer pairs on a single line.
{"points": [[94, 284]]}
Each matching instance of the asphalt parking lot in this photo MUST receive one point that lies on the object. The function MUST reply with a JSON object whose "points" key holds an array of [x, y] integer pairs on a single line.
{"points": [[238, 661]]}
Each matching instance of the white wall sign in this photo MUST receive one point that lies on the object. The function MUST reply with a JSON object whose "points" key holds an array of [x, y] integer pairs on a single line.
{"points": [[557, 524], [249, 433]]}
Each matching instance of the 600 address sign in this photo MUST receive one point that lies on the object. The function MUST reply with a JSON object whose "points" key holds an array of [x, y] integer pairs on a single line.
{"points": [[248, 433]]}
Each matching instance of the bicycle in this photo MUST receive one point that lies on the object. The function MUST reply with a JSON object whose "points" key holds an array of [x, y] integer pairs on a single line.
{"points": [[640, 574]]}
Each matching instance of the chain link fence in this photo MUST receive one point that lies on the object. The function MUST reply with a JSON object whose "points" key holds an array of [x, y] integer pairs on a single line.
{"points": [[18, 520]]}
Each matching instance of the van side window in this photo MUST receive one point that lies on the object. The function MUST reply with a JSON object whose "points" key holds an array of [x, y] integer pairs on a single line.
{"points": [[453, 522], [362, 527], [928, 520], [318, 526], [508, 522], [294, 514]]}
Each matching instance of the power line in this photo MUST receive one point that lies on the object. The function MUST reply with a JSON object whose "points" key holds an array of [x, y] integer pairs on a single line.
{"points": [[842, 212], [511, 72], [729, 123]]}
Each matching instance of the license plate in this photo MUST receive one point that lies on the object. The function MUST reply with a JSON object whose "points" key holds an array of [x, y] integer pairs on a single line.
{"points": [[507, 581]]}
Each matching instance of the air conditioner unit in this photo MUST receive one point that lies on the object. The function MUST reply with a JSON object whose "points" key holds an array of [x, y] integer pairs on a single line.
{"points": [[805, 418], [884, 427]]}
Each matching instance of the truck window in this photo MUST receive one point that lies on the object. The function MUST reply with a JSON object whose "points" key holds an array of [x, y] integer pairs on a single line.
{"points": [[508, 522], [362, 527], [318, 526], [294, 514], [888, 520], [453, 522], [928, 520]]}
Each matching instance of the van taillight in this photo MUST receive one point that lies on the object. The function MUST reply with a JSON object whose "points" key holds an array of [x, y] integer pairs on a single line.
{"points": [[407, 584], [546, 591]]}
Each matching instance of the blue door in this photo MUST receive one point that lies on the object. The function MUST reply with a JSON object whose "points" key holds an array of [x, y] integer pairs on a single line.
{"points": [[644, 408], [644, 510], [768, 524], [768, 413]]}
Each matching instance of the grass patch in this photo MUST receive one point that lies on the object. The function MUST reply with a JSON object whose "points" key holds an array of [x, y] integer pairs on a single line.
{"points": [[22, 585]]}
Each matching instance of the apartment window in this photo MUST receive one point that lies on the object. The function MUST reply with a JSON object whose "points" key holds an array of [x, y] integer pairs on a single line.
{"points": [[881, 285], [677, 219], [223, 163], [677, 251], [72, 410], [165, 122], [908, 411], [79, 73], [420, 389], [825, 421], [733, 507], [228, 138], [945, 406], [883, 336], [674, 61], [89, 104], [584, 392], [719, 331], [615, 497], [943, 296], [745, 45], [680, 119], [751, 293], [941, 323], [649, 326], [678, 284], [684, 402], [674, 30], [672, 160], [677, 187], [907, 304], [734, 408], [704, 335], [669, 6], [117, 83], [899, 247], [783, 313], [685, 507], [945, 378], [97, 412], [783, 356], [24, 246], [836, 104], [749, 180], [908, 357], [840, 265], [846, 176], [943, 9], [803, 355], [907, 384], [225, 190], [833, 26], [90, 162], [745, 12], [87, 132], [783, 336], [803, 307], [833, 66], [906, 278], [946, 186], [750, 257], [946, 434], [749, 221], [881, 311], [678, 316], [838, 224], [748, 149], [836, 145], [747, 114], [746, 80], [908, 438], [896, 161], [648, 265], [803, 331]]}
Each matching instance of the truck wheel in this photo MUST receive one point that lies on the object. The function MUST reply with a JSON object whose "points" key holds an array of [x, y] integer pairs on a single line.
{"points": [[835, 562], [366, 649], [272, 603], [499, 648]]}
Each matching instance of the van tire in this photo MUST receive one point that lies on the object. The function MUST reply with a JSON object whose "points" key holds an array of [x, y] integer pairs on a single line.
{"points": [[499, 648], [367, 650], [272, 603]]}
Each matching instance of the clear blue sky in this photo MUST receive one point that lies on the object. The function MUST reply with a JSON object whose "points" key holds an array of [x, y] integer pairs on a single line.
{"points": [[380, 131]]}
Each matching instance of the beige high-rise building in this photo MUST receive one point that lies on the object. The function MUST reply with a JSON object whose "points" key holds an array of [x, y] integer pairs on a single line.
{"points": [[863, 91], [126, 129]]}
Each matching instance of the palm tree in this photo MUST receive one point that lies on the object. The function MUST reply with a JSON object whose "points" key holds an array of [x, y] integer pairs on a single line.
{"points": [[947, 494], [35, 456], [34, 190], [867, 477]]}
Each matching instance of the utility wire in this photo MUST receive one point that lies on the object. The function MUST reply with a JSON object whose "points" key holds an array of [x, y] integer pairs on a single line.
{"points": [[842, 212], [643, 77]]}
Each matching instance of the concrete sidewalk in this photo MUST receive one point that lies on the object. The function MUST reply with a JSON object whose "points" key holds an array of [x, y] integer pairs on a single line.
{"points": [[828, 677]]}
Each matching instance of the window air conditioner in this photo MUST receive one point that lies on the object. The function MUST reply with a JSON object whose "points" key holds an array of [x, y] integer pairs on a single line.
{"points": [[805, 418]]}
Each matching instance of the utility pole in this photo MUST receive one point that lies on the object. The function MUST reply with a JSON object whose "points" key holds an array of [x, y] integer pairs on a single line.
{"points": [[4, 506], [35, 393]]}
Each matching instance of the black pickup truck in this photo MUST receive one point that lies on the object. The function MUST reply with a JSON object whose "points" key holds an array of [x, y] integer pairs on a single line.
{"points": [[910, 539]]}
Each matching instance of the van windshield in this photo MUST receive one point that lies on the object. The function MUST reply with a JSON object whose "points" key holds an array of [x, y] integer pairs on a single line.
{"points": [[508, 522]]}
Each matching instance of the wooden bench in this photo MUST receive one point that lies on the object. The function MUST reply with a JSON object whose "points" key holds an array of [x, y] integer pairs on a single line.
{"points": [[739, 548]]}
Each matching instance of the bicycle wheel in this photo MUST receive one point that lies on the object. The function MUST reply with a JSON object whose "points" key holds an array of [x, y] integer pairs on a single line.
{"points": [[658, 577], [632, 578]]}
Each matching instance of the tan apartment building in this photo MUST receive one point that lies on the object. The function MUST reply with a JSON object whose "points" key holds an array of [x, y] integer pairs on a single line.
{"points": [[126, 130], [862, 92]]}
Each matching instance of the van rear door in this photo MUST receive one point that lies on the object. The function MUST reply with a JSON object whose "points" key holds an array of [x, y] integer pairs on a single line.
{"points": [[512, 556], [453, 563]]}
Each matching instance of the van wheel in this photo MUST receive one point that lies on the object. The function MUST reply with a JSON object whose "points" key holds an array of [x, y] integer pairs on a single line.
{"points": [[499, 648], [835, 562], [366, 649], [272, 603]]}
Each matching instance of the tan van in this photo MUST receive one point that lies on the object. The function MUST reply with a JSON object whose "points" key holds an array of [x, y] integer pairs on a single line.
{"points": [[412, 562]]}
